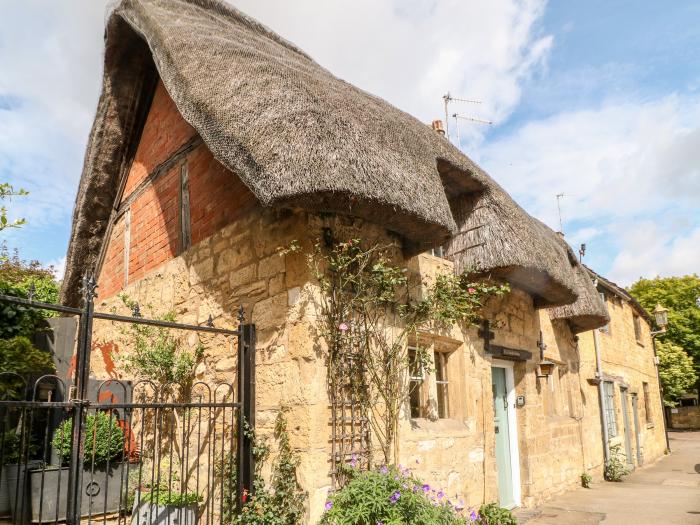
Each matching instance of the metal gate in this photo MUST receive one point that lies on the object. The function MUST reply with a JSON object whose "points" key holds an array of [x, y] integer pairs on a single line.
{"points": [[120, 452]]}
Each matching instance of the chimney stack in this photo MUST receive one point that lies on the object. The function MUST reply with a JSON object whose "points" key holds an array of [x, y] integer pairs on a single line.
{"points": [[438, 126]]}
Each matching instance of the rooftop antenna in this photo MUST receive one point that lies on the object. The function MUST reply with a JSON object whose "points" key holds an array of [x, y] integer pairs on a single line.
{"points": [[561, 224], [447, 98], [459, 117], [581, 251]]}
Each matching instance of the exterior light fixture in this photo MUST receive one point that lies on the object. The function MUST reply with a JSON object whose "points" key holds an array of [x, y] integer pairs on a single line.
{"points": [[546, 369], [661, 317], [546, 366]]}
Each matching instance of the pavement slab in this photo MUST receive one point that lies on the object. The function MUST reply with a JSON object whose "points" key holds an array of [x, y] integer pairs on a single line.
{"points": [[665, 493]]}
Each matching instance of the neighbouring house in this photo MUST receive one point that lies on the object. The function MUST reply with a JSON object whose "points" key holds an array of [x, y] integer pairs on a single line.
{"points": [[216, 142]]}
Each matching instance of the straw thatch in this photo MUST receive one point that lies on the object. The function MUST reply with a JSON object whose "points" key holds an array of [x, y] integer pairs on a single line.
{"points": [[588, 312], [295, 135], [496, 237]]}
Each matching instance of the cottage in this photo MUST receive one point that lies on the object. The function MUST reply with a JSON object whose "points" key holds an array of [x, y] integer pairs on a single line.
{"points": [[216, 142]]}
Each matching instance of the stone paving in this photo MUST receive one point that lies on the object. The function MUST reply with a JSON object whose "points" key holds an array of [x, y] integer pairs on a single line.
{"points": [[667, 492]]}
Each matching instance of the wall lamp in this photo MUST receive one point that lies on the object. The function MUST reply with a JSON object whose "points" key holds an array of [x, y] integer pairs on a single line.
{"points": [[661, 318]]}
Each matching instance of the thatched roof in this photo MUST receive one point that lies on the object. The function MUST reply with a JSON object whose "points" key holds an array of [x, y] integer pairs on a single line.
{"points": [[588, 311], [498, 238], [295, 135]]}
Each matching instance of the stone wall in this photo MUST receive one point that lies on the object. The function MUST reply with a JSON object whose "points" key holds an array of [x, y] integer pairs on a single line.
{"points": [[629, 364], [684, 418]]}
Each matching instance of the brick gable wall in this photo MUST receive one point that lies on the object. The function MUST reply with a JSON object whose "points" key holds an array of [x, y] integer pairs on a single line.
{"points": [[148, 227]]}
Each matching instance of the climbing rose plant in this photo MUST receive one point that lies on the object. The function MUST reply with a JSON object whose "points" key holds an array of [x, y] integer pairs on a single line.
{"points": [[371, 308]]}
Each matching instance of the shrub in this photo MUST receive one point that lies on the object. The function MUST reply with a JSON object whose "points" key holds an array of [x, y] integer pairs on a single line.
{"points": [[16, 278], [492, 514], [282, 503], [391, 496], [104, 439], [586, 480], [18, 355], [615, 468], [163, 496]]}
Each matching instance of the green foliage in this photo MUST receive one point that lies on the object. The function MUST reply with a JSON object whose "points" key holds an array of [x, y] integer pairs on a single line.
{"points": [[586, 480], [13, 449], [615, 468], [457, 298], [157, 355], [104, 439], [7, 191], [16, 278], [492, 514], [372, 308], [679, 295], [391, 496], [162, 495], [676, 371], [283, 502], [19, 356]]}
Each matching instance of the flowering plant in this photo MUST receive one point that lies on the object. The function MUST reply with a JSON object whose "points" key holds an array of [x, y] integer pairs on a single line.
{"points": [[393, 496]]}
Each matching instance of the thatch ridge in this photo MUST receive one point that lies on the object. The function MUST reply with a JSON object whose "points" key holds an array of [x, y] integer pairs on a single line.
{"points": [[296, 136]]}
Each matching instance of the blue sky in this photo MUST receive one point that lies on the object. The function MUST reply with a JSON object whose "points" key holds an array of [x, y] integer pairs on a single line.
{"points": [[596, 100]]}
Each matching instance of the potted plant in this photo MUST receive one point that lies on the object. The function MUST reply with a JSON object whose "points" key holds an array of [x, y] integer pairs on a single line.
{"points": [[104, 471], [162, 504], [14, 464]]}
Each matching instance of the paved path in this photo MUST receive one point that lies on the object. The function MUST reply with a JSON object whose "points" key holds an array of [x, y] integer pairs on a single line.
{"points": [[665, 493]]}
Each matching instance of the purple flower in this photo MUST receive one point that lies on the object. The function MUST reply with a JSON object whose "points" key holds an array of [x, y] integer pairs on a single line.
{"points": [[440, 495], [353, 461], [473, 516], [426, 488], [329, 505], [384, 470], [395, 497]]}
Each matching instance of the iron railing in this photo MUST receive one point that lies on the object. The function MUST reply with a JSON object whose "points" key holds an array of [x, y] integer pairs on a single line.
{"points": [[142, 452]]}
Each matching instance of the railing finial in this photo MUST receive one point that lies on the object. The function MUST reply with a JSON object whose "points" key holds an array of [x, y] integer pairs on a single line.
{"points": [[241, 314]]}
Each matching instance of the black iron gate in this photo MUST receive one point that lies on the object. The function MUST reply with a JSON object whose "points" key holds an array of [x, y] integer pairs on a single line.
{"points": [[122, 452]]}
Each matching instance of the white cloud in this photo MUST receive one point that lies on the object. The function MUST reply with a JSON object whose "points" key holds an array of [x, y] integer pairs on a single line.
{"points": [[59, 267], [408, 51], [413, 52], [649, 250], [617, 165]]}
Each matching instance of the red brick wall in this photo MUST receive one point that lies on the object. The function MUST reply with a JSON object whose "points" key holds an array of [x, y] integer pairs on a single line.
{"points": [[155, 225], [112, 276], [217, 198], [164, 132]]}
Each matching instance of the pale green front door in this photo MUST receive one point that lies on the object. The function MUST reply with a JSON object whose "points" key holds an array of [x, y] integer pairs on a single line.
{"points": [[502, 430]]}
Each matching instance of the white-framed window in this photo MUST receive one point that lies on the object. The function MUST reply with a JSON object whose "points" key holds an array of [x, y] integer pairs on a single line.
{"points": [[416, 378], [609, 405], [443, 384]]}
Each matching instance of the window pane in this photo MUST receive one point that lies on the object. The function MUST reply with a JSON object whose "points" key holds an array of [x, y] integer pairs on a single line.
{"points": [[442, 384]]}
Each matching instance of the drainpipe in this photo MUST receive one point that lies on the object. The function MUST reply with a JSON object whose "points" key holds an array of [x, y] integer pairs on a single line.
{"points": [[661, 391], [601, 390]]}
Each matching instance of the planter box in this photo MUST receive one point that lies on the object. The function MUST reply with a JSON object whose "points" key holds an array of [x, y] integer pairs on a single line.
{"points": [[46, 497], [146, 513], [8, 484]]}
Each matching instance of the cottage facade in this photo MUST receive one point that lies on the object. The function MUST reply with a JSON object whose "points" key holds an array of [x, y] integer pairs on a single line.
{"points": [[214, 148]]}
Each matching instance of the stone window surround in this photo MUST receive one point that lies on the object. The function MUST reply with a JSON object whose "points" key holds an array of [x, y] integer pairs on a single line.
{"points": [[427, 391]]}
